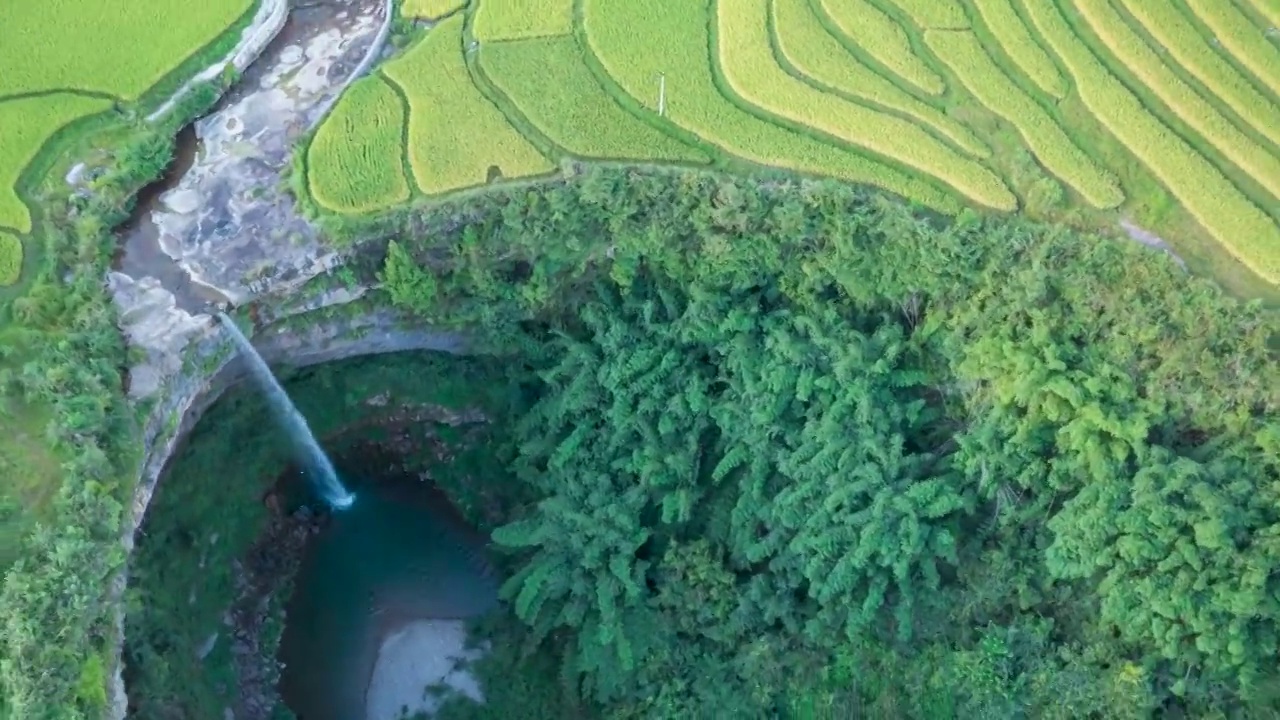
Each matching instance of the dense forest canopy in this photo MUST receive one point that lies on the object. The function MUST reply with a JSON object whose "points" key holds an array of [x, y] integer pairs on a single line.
{"points": [[796, 451]]}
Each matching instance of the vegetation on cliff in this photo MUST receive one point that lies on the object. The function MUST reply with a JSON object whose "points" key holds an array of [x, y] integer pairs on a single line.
{"points": [[69, 456], [1079, 111], [797, 451]]}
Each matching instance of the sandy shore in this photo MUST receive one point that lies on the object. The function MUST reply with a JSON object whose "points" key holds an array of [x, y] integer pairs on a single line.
{"points": [[420, 654]]}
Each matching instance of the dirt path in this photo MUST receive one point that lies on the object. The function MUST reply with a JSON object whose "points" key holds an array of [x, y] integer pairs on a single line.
{"points": [[1150, 239]]}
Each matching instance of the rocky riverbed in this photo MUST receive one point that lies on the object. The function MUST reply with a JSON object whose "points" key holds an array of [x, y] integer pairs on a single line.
{"points": [[225, 228]]}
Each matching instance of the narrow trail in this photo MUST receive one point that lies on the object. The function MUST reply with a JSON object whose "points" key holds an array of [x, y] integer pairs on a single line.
{"points": [[1150, 239]]}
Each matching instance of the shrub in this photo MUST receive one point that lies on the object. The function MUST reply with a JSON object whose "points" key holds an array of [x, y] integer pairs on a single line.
{"points": [[743, 50], [549, 81], [970, 62], [455, 134], [355, 161], [26, 124], [10, 259]]}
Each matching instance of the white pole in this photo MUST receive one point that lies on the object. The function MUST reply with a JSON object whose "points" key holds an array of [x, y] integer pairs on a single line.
{"points": [[662, 94]]}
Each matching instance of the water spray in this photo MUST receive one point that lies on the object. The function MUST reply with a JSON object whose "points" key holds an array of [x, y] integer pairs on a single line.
{"points": [[320, 468]]}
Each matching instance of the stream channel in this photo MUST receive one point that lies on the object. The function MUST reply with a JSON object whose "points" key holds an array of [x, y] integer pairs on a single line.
{"points": [[380, 589]]}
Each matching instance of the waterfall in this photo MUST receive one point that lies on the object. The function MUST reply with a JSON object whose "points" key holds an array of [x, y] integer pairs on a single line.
{"points": [[319, 468]]}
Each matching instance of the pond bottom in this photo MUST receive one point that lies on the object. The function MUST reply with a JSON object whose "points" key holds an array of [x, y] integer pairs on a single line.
{"points": [[385, 584]]}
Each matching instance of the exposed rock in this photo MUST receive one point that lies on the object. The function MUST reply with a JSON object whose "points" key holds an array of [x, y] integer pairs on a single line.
{"points": [[153, 323], [207, 646], [183, 201], [76, 174], [293, 53], [229, 224], [262, 585], [266, 24]]}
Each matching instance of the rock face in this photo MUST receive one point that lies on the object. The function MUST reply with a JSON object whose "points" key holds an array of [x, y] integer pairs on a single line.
{"points": [[228, 223], [230, 229], [230, 226], [262, 584]]}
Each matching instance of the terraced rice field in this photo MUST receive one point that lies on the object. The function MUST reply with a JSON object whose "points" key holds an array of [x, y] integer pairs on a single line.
{"points": [[62, 60], [430, 9], [516, 19], [1163, 114], [1243, 36], [862, 24], [571, 107], [820, 59], [26, 124], [964, 54], [456, 137], [116, 47], [357, 154], [752, 73]]}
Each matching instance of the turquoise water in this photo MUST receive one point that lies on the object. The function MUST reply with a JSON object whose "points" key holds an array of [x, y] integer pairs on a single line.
{"points": [[399, 554]]}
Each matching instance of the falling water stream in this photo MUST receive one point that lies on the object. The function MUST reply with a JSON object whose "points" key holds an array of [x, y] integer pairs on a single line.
{"points": [[401, 562], [319, 468]]}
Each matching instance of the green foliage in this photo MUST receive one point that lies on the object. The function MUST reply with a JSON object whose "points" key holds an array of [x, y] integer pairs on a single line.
{"points": [[1183, 550], [517, 682], [668, 408], [797, 453], [10, 259], [408, 284], [58, 603], [92, 688]]}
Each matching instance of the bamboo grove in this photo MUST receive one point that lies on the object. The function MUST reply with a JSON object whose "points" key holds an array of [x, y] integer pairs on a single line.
{"points": [[792, 450]]}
